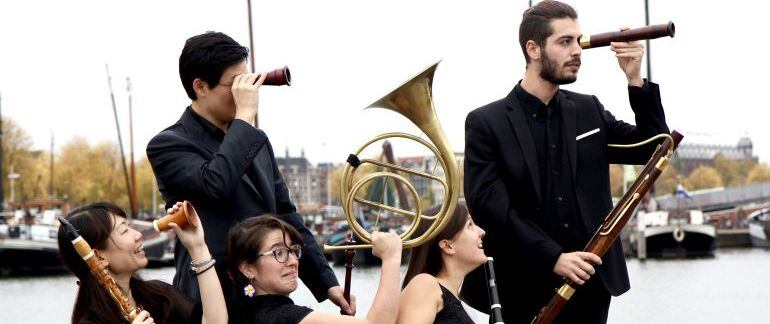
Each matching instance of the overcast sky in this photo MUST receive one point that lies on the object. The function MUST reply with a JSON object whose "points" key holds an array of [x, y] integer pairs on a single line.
{"points": [[344, 55]]}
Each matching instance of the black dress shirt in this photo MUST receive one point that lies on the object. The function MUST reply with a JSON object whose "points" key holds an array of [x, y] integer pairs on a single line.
{"points": [[561, 218]]}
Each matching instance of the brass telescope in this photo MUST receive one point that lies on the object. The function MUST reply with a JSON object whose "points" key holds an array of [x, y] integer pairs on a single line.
{"points": [[629, 35], [413, 100]]}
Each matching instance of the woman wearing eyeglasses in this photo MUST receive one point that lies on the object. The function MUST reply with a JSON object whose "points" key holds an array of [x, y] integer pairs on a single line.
{"points": [[263, 260]]}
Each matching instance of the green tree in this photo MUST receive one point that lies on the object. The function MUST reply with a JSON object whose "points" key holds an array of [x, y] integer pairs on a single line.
{"points": [[616, 180], [703, 177], [667, 181], [145, 179], [733, 172], [32, 166], [91, 173], [759, 173]]}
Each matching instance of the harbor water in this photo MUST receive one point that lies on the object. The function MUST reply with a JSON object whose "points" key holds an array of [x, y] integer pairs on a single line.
{"points": [[732, 287]]}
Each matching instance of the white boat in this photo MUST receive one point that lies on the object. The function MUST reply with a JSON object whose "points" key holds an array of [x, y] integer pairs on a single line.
{"points": [[675, 233], [29, 243], [759, 227]]}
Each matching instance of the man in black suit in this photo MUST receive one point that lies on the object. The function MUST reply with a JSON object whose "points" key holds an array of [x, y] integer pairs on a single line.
{"points": [[537, 171], [215, 158]]}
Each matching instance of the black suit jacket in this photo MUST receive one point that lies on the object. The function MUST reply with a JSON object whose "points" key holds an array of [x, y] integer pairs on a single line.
{"points": [[502, 188], [190, 164]]}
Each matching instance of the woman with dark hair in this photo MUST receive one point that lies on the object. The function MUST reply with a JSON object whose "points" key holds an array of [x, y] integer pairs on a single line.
{"points": [[263, 259], [119, 247], [437, 269]]}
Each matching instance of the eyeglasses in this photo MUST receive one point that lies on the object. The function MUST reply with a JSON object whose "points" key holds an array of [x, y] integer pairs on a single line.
{"points": [[281, 254]]}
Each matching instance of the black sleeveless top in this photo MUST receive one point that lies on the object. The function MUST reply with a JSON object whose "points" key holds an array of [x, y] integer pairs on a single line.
{"points": [[276, 309], [453, 311]]}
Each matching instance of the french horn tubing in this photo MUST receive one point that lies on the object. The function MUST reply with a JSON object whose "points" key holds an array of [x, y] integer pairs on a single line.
{"points": [[413, 100]]}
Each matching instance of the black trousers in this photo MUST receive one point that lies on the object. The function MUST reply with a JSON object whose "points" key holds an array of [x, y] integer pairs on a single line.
{"points": [[588, 305]]}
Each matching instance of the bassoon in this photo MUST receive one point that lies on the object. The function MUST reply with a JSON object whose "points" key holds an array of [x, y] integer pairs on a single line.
{"points": [[128, 310], [610, 229]]}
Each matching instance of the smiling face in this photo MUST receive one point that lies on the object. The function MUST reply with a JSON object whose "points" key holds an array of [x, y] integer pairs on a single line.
{"points": [[124, 251], [467, 245], [267, 274], [560, 55]]}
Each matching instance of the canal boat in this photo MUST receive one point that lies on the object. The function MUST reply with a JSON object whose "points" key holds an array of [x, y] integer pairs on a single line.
{"points": [[675, 233], [759, 227]]}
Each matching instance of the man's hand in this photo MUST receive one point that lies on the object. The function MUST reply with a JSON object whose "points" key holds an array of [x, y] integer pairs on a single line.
{"points": [[576, 267], [245, 91], [335, 294], [629, 56]]}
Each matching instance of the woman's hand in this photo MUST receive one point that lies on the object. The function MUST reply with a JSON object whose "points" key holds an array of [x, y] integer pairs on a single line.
{"points": [[386, 245], [143, 318], [190, 236]]}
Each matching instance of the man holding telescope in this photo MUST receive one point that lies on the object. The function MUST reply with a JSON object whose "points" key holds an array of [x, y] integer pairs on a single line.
{"points": [[215, 158], [537, 170]]}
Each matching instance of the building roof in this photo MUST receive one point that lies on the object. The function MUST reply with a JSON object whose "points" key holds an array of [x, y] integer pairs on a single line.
{"points": [[743, 150]]}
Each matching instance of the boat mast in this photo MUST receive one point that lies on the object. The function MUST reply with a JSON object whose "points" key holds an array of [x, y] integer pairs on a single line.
{"points": [[120, 143], [51, 193], [2, 194], [251, 53], [132, 188]]}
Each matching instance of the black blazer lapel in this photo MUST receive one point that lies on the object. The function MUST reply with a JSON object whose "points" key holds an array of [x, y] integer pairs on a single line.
{"points": [[196, 131], [526, 142], [569, 119], [245, 178]]}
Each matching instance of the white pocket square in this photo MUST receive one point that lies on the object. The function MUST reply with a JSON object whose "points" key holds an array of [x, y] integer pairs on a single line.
{"points": [[586, 134]]}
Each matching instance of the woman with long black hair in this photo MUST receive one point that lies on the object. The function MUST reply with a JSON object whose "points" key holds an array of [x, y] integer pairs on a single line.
{"points": [[104, 226]]}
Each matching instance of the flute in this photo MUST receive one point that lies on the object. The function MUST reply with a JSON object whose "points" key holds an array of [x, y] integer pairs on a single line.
{"points": [[630, 35], [129, 310], [496, 310]]}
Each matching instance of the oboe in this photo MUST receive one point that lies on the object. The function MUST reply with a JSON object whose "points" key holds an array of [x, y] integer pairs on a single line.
{"points": [[129, 310], [494, 300]]}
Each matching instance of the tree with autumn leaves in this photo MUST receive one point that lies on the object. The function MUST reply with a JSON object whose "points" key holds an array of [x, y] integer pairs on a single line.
{"points": [[83, 172], [723, 172]]}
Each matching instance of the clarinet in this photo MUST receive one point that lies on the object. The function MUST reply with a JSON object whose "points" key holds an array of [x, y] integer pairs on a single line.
{"points": [[105, 280], [496, 311]]}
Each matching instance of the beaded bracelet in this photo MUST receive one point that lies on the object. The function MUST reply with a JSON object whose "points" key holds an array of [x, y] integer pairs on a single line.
{"points": [[199, 271], [196, 270], [200, 263]]}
